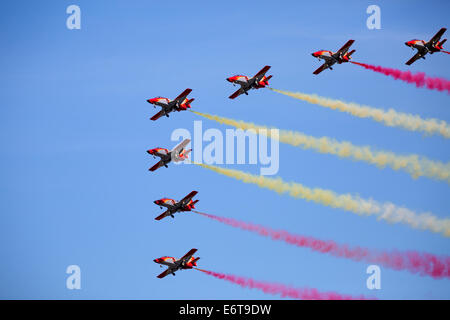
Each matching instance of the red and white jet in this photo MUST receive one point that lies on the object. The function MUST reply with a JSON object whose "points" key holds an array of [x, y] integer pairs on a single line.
{"points": [[188, 261], [185, 204], [432, 46], [177, 154], [180, 103], [331, 58], [256, 82]]}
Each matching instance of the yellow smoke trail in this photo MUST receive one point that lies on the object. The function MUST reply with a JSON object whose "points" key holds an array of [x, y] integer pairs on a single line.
{"points": [[390, 118], [386, 211], [415, 165]]}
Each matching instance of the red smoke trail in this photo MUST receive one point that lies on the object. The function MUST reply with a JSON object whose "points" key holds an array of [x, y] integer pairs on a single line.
{"points": [[420, 79], [412, 261], [284, 291], [445, 52]]}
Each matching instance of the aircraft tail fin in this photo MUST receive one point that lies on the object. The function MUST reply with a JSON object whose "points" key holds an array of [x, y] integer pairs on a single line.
{"points": [[193, 204], [348, 56], [183, 155], [194, 262], [187, 104]]}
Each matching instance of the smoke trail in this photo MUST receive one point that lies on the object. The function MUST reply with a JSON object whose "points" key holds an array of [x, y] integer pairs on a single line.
{"points": [[281, 289], [420, 78], [390, 118], [415, 165], [445, 52], [412, 261], [386, 211]]}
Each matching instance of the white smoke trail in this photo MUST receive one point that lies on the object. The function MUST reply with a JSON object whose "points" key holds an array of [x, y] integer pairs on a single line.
{"points": [[390, 118], [415, 165], [352, 203]]}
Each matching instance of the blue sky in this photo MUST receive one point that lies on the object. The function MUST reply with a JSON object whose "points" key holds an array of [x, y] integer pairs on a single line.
{"points": [[75, 127]]}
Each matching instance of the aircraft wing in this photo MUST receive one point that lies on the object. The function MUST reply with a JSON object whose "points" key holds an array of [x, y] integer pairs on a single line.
{"points": [[320, 69], [183, 95], [165, 273], [180, 146], [157, 116], [236, 94], [188, 255], [157, 166], [188, 197], [261, 73], [345, 47], [161, 216], [418, 55], [438, 36]]}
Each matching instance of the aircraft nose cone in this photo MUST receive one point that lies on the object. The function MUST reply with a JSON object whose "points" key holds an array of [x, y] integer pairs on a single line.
{"points": [[407, 44], [149, 151], [228, 79], [313, 54]]}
